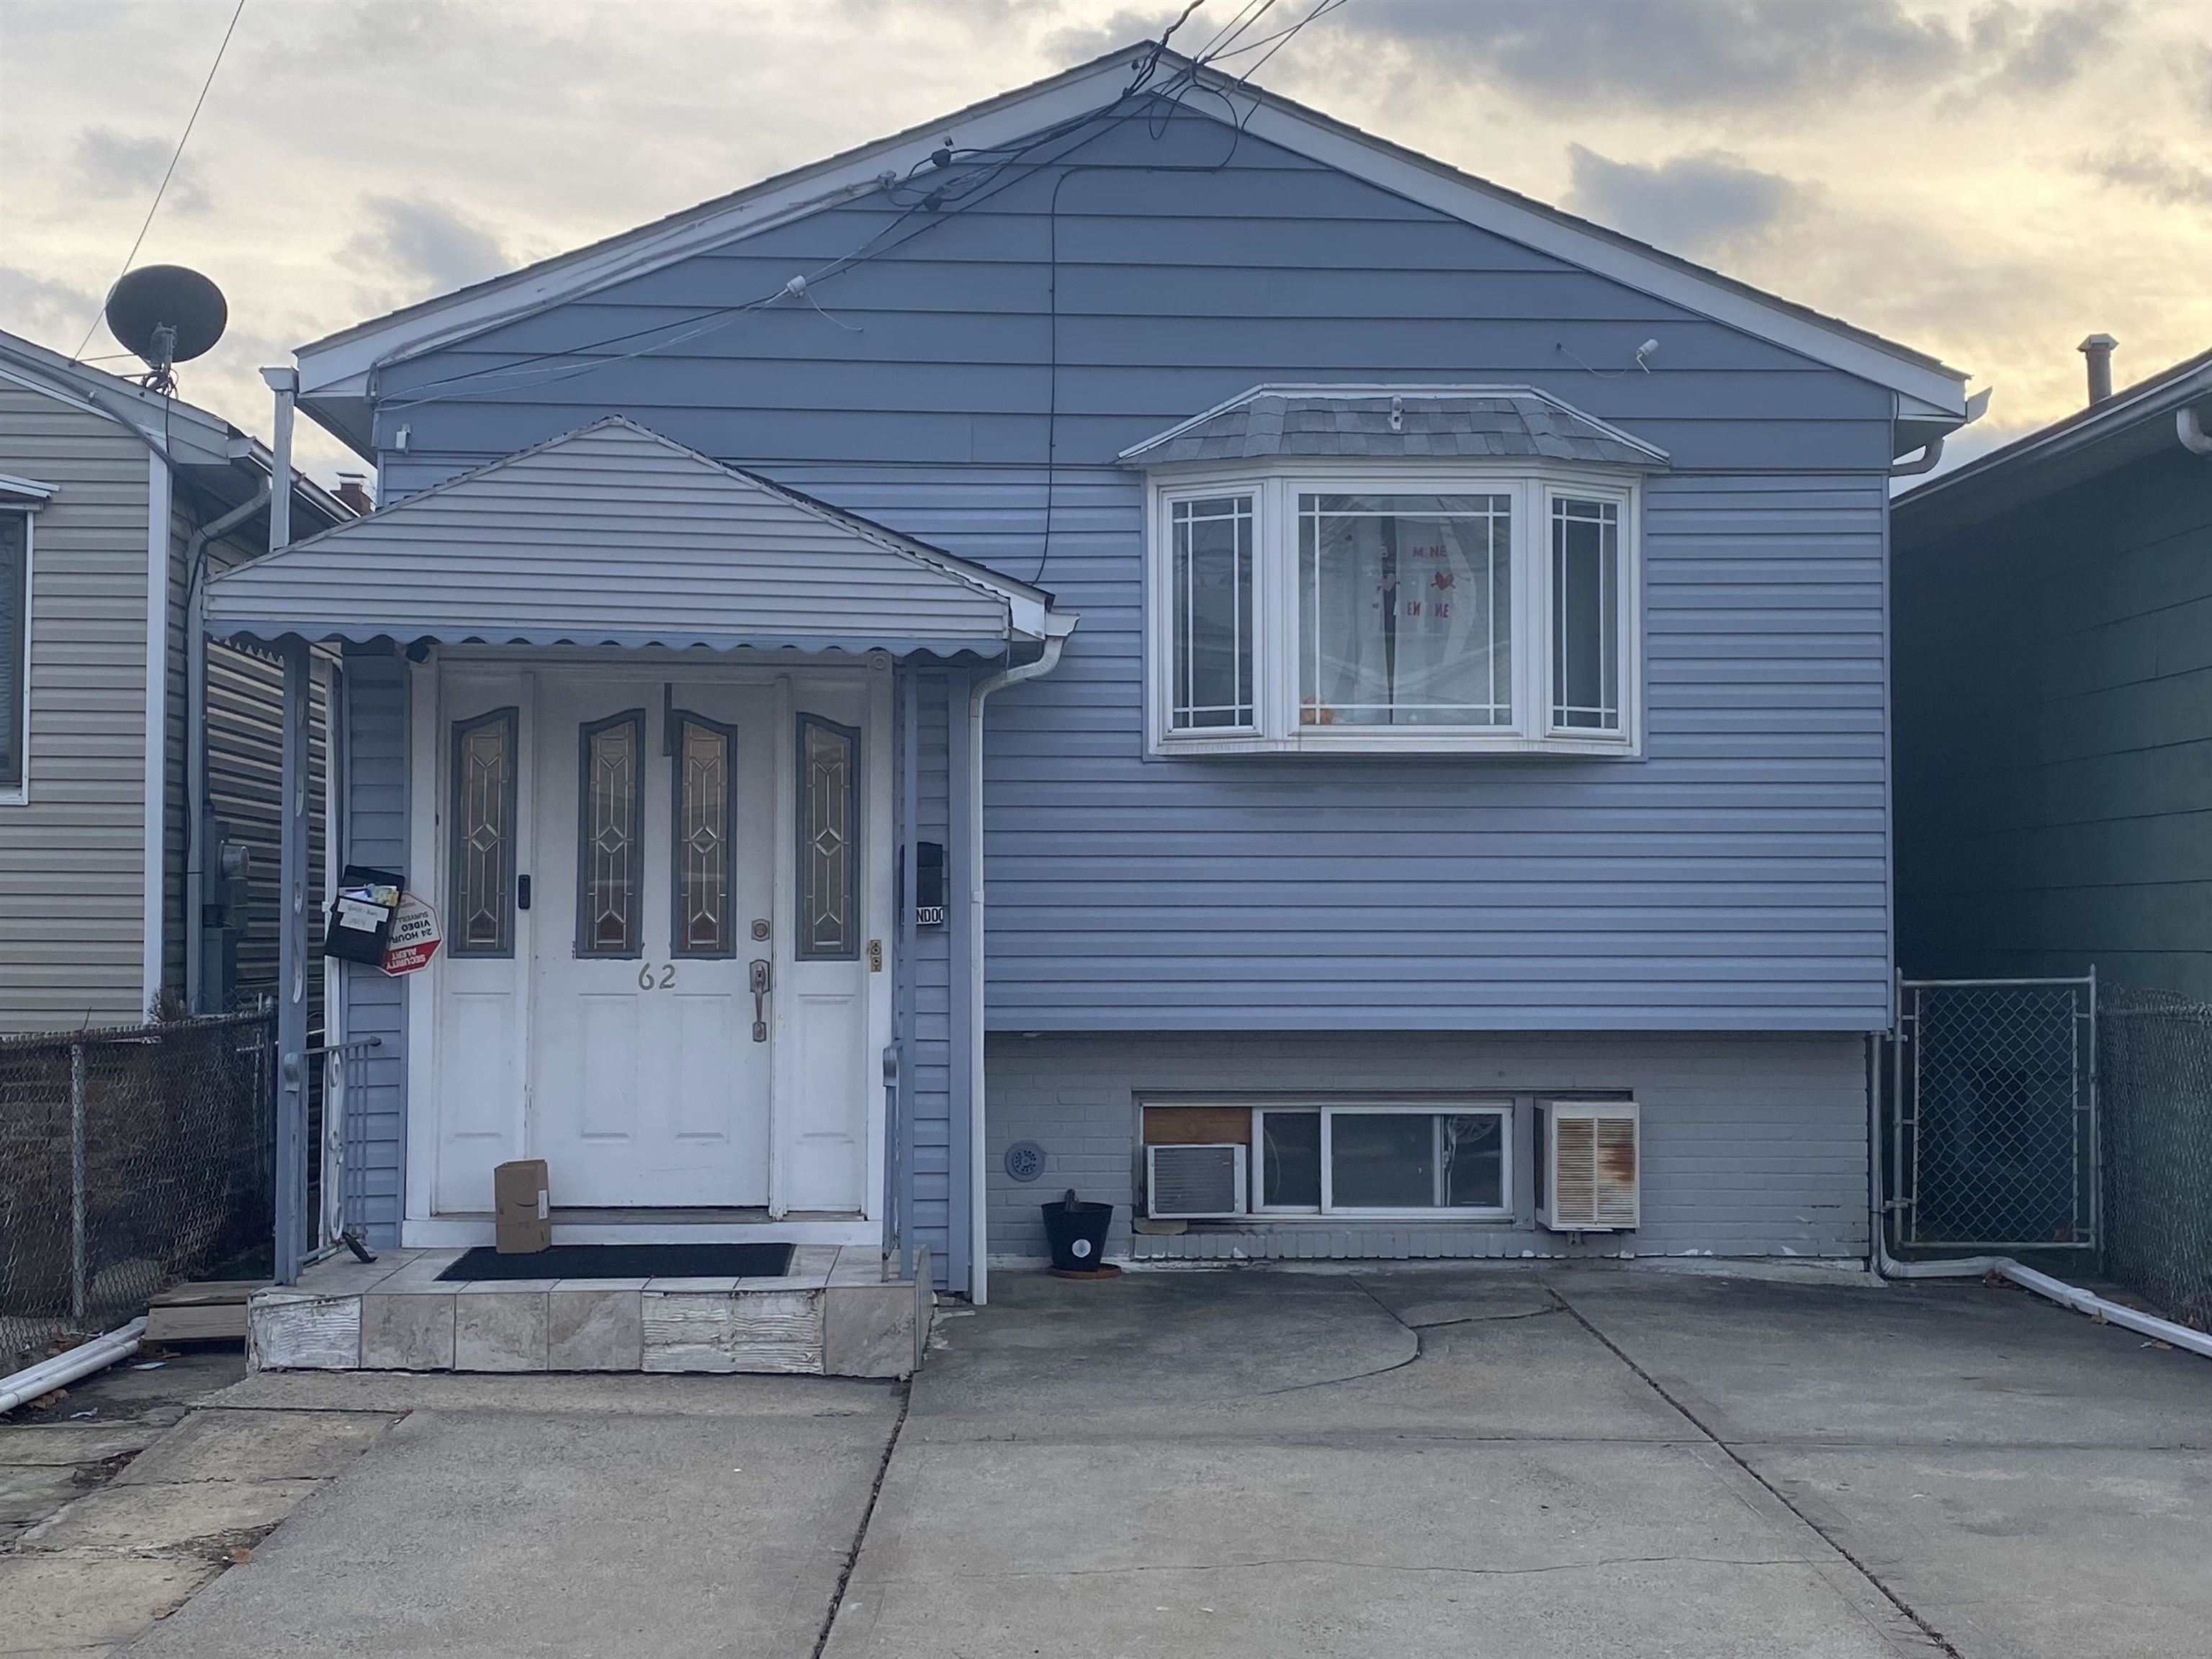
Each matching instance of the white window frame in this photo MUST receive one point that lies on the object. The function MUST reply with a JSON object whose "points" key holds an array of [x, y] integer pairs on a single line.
{"points": [[1328, 1111], [1275, 488], [18, 793]]}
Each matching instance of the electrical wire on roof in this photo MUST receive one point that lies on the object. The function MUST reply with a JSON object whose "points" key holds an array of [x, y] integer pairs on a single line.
{"points": [[176, 155], [932, 206]]}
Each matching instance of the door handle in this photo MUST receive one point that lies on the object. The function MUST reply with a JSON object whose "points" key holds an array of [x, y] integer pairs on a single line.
{"points": [[763, 979]]}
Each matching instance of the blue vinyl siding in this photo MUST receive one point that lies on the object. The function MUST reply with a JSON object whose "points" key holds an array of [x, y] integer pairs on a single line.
{"points": [[1736, 878], [376, 834], [940, 1140]]}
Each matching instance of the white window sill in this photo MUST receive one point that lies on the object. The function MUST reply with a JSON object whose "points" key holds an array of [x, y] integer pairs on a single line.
{"points": [[1402, 741]]}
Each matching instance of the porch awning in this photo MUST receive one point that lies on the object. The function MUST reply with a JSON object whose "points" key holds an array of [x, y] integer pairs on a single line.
{"points": [[613, 535]]}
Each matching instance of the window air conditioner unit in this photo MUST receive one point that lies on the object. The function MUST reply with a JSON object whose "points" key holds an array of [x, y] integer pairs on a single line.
{"points": [[1591, 1159], [1194, 1183]]}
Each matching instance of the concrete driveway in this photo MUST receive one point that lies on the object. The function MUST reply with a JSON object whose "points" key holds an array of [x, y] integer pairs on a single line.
{"points": [[1472, 1462], [1402, 1461]]}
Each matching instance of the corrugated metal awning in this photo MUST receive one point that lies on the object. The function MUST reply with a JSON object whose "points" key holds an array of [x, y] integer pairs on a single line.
{"points": [[614, 536]]}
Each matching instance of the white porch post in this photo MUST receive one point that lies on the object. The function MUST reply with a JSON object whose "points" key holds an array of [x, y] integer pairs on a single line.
{"points": [[293, 922]]}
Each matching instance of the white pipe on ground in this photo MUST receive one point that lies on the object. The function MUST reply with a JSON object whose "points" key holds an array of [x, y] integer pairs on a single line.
{"points": [[65, 1369], [2002, 1267], [2055, 1289]]}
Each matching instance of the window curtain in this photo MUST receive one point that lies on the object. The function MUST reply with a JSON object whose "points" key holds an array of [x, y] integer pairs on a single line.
{"points": [[1406, 610]]}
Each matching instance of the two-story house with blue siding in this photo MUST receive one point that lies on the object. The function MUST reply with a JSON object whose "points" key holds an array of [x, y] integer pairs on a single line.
{"points": [[1134, 638]]}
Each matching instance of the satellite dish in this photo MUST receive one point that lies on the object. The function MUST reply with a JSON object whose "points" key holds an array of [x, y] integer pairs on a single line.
{"points": [[166, 314]]}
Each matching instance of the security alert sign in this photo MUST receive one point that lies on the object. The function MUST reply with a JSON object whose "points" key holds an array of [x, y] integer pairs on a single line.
{"points": [[416, 937]]}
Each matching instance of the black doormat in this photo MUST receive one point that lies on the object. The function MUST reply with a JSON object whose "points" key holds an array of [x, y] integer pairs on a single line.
{"points": [[627, 1262]]}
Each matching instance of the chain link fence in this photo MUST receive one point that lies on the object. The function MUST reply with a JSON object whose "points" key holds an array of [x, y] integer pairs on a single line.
{"points": [[129, 1158], [1993, 1127], [2155, 1059]]}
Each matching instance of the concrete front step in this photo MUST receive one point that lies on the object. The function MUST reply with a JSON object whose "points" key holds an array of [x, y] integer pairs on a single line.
{"points": [[832, 1313]]}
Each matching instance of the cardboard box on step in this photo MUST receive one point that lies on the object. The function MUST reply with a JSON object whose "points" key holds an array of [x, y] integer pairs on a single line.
{"points": [[521, 1220]]}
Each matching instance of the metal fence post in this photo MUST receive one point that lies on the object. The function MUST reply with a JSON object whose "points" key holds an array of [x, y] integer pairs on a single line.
{"points": [[290, 1172], [80, 1285]]}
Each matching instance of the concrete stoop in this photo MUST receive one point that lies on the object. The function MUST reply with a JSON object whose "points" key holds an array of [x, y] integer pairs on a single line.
{"points": [[834, 1314]]}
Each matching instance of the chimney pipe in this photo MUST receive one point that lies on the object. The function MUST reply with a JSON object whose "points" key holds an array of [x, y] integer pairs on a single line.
{"points": [[2097, 348], [353, 490]]}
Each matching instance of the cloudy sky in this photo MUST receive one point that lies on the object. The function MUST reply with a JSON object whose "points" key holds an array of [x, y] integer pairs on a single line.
{"points": [[1989, 180]]}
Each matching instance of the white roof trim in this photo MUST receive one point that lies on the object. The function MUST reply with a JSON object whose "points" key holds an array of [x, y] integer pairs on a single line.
{"points": [[340, 365], [12, 485], [1385, 389]]}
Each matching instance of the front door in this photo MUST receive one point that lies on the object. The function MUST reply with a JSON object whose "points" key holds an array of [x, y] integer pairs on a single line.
{"points": [[658, 978], [655, 807]]}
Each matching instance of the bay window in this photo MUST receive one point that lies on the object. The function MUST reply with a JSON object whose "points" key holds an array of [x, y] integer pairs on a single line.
{"points": [[1397, 611]]}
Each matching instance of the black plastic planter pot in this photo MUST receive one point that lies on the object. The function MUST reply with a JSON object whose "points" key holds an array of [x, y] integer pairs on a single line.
{"points": [[1076, 1234]]}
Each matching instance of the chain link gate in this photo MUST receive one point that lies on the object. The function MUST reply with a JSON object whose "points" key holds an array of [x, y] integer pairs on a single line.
{"points": [[1992, 1128]]}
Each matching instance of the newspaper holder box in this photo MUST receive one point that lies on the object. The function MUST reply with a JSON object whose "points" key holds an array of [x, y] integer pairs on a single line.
{"points": [[359, 926]]}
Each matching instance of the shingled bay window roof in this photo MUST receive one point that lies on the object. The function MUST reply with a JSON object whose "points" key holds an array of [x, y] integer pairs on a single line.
{"points": [[1409, 422]]}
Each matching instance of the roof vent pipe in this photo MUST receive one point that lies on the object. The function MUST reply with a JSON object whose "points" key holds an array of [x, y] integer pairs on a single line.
{"points": [[2097, 348]]}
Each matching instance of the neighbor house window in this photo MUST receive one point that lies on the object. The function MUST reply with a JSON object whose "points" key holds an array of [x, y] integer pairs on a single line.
{"points": [[1400, 1160], [14, 646], [1396, 613]]}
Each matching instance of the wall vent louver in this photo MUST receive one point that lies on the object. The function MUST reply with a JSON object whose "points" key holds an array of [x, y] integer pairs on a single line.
{"points": [[1194, 1183], [1592, 1163]]}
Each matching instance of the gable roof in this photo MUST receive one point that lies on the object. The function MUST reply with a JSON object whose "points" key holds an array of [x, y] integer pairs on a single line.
{"points": [[2133, 422], [613, 535], [1395, 422], [337, 371]]}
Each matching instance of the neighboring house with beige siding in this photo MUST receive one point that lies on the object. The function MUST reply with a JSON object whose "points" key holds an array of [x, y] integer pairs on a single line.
{"points": [[105, 490]]}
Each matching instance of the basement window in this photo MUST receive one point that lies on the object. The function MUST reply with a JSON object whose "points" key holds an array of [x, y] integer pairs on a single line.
{"points": [[1395, 611], [1405, 1161]]}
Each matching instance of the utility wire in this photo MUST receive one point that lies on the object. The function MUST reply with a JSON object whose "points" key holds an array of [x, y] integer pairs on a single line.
{"points": [[1226, 35], [934, 207], [1284, 33], [163, 188]]}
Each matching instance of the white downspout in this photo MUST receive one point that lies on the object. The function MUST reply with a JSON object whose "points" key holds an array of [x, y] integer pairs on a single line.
{"points": [[65, 1369], [155, 912], [2189, 427], [1057, 629], [1930, 456], [2003, 1266]]}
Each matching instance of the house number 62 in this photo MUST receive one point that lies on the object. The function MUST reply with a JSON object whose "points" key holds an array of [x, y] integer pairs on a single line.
{"points": [[650, 979]]}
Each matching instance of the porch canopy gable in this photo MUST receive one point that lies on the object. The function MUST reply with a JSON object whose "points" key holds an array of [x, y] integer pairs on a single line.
{"points": [[613, 535]]}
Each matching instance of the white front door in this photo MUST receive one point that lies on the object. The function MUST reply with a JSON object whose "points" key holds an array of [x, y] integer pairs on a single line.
{"points": [[651, 897], [658, 883]]}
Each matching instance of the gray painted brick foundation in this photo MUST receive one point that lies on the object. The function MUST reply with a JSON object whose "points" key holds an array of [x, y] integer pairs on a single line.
{"points": [[1753, 1144]]}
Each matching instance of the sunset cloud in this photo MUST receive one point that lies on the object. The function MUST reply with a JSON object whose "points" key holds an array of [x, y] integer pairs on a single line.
{"points": [[1987, 180]]}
